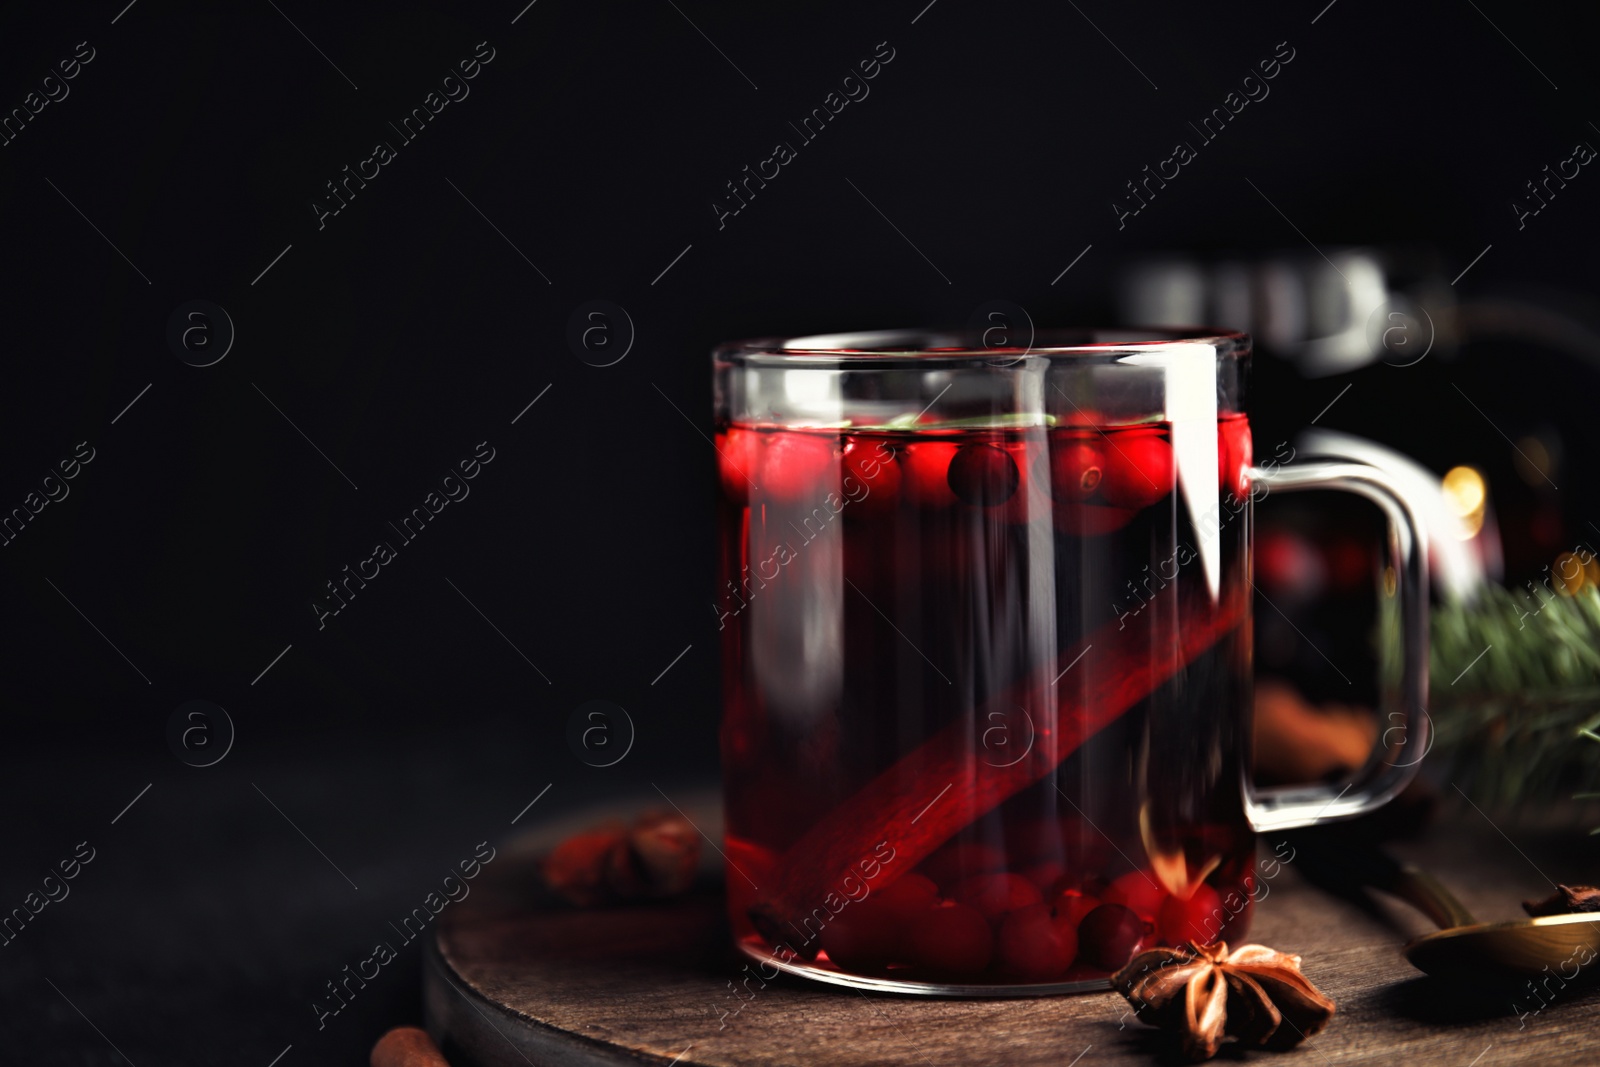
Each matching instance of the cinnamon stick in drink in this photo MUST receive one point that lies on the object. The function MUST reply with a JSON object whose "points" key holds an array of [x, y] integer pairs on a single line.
{"points": [[937, 789]]}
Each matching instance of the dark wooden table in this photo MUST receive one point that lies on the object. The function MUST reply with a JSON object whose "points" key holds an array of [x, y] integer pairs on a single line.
{"points": [[511, 981]]}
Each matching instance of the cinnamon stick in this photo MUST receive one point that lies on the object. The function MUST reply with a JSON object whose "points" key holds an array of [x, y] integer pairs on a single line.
{"points": [[407, 1046], [943, 785]]}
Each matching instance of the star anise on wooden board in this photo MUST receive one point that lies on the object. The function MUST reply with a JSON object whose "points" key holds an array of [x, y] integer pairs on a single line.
{"points": [[656, 857], [1206, 993], [1567, 900]]}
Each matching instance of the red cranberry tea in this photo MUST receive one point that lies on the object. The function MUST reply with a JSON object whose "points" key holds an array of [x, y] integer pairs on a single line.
{"points": [[982, 691]]}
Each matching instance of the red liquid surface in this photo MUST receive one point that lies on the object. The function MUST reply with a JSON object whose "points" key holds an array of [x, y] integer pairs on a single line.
{"points": [[878, 586]]}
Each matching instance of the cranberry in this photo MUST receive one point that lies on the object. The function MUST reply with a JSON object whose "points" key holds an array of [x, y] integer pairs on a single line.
{"points": [[1044, 874], [983, 475], [876, 476], [910, 893], [1072, 907], [1234, 456], [953, 939], [1139, 470], [1200, 918], [736, 463], [1138, 890], [996, 894], [927, 473], [799, 468], [1077, 467], [1109, 936], [858, 941], [1032, 946], [869, 933], [1067, 930]]}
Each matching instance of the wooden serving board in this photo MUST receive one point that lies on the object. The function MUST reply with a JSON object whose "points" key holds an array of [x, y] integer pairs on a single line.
{"points": [[516, 980]]}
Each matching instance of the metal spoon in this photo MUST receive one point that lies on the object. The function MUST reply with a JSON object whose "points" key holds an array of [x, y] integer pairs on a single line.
{"points": [[1465, 947], [1462, 948]]}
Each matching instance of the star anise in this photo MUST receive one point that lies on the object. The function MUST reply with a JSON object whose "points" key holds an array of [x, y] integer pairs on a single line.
{"points": [[1206, 993], [660, 861], [612, 862], [1568, 900]]}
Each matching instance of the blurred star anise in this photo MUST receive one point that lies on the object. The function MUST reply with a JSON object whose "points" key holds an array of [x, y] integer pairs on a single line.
{"points": [[1568, 900], [1206, 993], [613, 863]]}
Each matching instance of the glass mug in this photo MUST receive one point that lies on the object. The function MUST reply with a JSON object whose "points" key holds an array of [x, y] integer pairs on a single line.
{"points": [[986, 640]]}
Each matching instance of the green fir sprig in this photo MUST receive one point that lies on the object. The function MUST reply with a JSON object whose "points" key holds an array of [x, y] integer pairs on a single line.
{"points": [[1515, 694]]}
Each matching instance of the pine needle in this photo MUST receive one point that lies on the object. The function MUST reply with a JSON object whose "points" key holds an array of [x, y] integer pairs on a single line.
{"points": [[1515, 681]]}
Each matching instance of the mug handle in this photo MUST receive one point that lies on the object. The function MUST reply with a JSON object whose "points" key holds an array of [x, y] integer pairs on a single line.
{"points": [[1385, 773]]}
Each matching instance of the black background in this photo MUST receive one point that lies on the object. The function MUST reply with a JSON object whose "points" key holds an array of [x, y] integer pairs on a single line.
{"points": [[407, 330]]}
